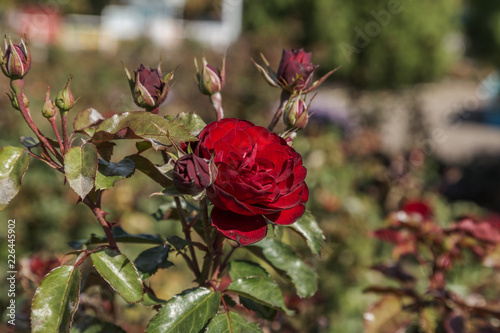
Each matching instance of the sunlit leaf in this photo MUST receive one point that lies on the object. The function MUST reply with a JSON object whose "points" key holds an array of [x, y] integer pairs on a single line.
{"points": [[13, 165], [187, 312], [283, 258], [235, 323], [86, 119], [142, 125], [119, 272], [308, 228], [80, 165], [110, 172], [56, 300], [261, 289], [242, 268], [191, 121]]}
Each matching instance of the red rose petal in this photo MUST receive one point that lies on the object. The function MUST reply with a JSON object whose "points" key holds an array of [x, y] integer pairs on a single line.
{"points": [[243, 229], [289, 216]]}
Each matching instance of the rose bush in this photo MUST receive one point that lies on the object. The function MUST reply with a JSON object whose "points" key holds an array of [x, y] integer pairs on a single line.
{"points": [[259, 177]]}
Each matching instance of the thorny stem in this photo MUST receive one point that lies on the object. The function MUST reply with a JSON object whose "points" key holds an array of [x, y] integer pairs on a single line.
{"points": [[216, 100], [18, 87], [285, 95], [187, 233], [52, 121], [100, 215]]}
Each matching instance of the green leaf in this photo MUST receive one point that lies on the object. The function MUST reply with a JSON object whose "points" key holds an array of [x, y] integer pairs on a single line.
{"points": [[262, 290], [149, 169], [13, 165], [121, 235], [177, 242], [56, 300], [242, 268], [308, 228], [283, 258], [94, 325], [109, 173], [260, 310], [80, 164], [187, 312], [151, 300], [191, 121], [150, 260], [119, 272], [234, 324], [86, 119], [29, 142], [142, 125]]}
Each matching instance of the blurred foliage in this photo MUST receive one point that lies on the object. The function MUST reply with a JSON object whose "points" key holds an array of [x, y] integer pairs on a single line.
{"points": [[378, 43], [482, 28]]}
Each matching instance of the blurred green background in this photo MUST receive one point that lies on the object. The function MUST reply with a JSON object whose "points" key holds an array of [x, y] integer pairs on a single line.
{"points": [[386, 48]]}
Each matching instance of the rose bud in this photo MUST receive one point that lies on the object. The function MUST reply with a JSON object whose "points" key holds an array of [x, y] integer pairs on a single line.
{"points": [[148, 86], [296, 113], [295, 72], [16, 61], [64, 100], [48, 109], [193, 174], [14, 103], [210, 81]]}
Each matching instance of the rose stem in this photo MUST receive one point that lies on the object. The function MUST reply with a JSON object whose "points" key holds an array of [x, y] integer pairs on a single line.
{"points": [[206, 228], [52, 121], [187, 234], [100, 215], [216, 100], [285, 95], [64, 116], [18, 87]]}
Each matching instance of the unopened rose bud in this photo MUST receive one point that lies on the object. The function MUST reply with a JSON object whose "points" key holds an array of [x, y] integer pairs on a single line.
{"points": [[210, 80], [14, 103], [65, 100], [295, 71], [48, 109], [16, 61], [148, 86], [296, 113], [193, 174]]}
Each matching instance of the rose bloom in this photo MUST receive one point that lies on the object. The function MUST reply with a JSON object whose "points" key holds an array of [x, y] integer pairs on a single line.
{"points": [[259, 177]]}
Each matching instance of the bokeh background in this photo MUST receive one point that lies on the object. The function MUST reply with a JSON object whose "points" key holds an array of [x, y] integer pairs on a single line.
{"points": [[412, 114]]}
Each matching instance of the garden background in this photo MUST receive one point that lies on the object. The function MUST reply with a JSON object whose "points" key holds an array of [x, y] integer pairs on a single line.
{"points": [[412, 114]]}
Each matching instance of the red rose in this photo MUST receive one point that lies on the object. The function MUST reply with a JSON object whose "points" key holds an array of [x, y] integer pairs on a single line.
{"points": [[259, 176]]}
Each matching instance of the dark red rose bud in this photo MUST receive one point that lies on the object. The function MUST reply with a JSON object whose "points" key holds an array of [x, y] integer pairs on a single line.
{"points": [[16, 61], [148, 87], [296, 113], [192, 174], [295, 71]]}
